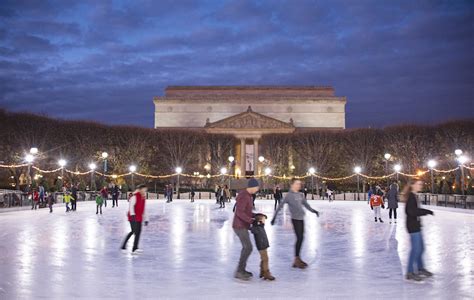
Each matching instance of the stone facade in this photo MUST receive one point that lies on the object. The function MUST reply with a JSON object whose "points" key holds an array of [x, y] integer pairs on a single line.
{"points": [[248, 112]]}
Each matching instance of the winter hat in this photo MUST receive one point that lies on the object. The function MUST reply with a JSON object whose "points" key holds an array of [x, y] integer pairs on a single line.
{"points": [[252, 183]]}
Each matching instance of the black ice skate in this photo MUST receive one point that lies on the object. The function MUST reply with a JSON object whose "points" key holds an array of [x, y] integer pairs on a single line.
{"points": [[413, 276], [425, 273], [380, 219], [375, 220]]}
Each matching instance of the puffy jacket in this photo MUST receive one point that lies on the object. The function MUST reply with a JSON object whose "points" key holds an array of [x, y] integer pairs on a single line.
{"points": [[243, 211]]}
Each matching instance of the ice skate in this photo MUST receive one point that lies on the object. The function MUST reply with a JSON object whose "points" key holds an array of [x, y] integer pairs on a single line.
{"points": [[380, 219], [390, 221], [267, 275], [298, 263], [248, 273], [425, 273], [414, 277], [242, 276], [375, 220]]}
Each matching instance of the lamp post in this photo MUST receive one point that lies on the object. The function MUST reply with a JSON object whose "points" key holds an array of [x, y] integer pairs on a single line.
{"points": [[387, 157], [132, 170], [231, 164], [397, 169], [431, 165], [62, 163], [104, 157], [223, 173], [311, 172], [178, 172], [462, 160], [357, 170], [92, 167], [29, 158], [261, 159]]}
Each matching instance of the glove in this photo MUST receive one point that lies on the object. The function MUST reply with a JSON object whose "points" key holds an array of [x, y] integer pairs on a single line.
{"points": [[317, 213], [146, 223], [272, 222], [431, 213], [133, 218], [371, 207], [383, 206]]}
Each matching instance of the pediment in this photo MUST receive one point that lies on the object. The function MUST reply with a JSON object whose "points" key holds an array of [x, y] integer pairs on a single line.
{"points": [[250, 120]]}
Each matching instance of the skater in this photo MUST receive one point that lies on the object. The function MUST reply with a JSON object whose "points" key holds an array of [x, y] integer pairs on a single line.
{"points": [[227, 193], [67, 200], [330, 195], [376, 201], [105, 194], [223, 196], [392, 197], [218, 193], [34, 200], [193, 193], [296, 200], [261, 241], [277, 195], [115, 195], [73, 197], [50, 199], [413, 214], [305, 192], [98, 201], [369, 194], [136, 215], [169, 193], [42, 194], [243, 218]]}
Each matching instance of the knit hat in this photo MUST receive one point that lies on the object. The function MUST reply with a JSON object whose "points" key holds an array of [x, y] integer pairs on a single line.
{"points": [[253, 183]]}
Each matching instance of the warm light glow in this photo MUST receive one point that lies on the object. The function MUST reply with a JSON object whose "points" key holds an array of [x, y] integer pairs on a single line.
{"points": [[105, 155], [312, 170], [462, 159], [357, 170], [179, 170], [231, 158], [261, 159], [114, 176], [34, 151], [419, 172], [224, 171], [207, 167], [238, 172], [387, 156], [62, 163], [29, 158], [92, 166], [208, 176], [458, 152], [132, 168], [268, 171], [397, 167], [444, 177], [292, 167], [431, 164]]}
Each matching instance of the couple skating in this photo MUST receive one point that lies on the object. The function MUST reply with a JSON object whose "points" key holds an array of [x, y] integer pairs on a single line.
{"points": [[244, 218]]}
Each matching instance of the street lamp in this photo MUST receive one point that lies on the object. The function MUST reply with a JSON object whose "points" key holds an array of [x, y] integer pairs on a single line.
{"points": [[29, 158], [34, 151], [311, 171], [178, 171], [223, 171], [387, 157], [231, 164], [92, 167], [397, 169], [132, 170], [462, 160], [458, 152], [231, 159], [261, 159], [357, 170], [104, 157], [62, 163], [432, 164]]}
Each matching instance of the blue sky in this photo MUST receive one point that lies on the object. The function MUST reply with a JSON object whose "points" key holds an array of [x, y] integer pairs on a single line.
{"points": [[396, 61]]}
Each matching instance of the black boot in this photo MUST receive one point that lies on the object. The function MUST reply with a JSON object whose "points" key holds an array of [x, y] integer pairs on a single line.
{"points": [[375, 219], [380, 219]]}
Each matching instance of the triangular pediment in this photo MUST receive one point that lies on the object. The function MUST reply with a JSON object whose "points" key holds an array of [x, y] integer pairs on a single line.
{"points": [[250, 120]]}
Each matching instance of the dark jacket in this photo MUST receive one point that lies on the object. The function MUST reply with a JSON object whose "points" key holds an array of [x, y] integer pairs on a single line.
{"points": [[243, 216], [392, 196], [278, 194], [414, 213], [261, 239]]}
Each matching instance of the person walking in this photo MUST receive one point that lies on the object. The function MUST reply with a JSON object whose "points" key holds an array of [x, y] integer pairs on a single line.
{"points": [[115, 195], [136, 216], [413, 214], [296, 200], [392, 197], [277, 195], [243, 218]]}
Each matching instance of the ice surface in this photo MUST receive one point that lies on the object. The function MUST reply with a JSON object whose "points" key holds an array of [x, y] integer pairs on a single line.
{"points": [[190, 252]]}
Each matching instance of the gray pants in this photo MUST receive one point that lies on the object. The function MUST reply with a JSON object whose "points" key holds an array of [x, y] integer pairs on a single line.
{"points": [[244, 237]]}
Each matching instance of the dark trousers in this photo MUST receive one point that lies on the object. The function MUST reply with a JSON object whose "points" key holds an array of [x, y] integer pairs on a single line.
{"points": [[105, 201], [298, 226], [50, 205], [136, 230], [73, 204], [34, 204], [222, 201], [115, 201], [244, 238], [277, 202], [192, 198], [99, 208], [394, 213]]}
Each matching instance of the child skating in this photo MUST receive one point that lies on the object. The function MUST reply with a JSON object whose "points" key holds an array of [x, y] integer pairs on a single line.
{"points": [[261, 241], [67, 200], [376, 201], [98, 201]]}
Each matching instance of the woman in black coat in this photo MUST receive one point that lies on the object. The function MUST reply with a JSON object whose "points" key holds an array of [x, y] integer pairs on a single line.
{"points": [[392, 197], [277, 195]]}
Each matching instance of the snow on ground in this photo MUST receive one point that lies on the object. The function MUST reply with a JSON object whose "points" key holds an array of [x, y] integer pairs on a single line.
{"points": [[190, 252]]}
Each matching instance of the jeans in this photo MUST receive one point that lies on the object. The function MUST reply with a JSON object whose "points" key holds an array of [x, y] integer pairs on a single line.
{"points": [[298, 226], [244, 238], [99, 207], [394, 213], [416, 253], [73, 204], [136, 230]]}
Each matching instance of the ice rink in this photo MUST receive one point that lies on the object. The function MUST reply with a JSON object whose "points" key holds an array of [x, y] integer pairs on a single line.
{"points": [[190, 252]]}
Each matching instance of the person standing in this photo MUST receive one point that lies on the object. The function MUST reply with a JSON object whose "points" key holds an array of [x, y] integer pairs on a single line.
{"points": [[261, 241], [136, 216], [243, 218], [376, 201], [105, 194], [41, 194], [67, 200], [305, 192], [50, 199], [277, 195], [115, 195], [296, 200], [413, 214], [392, 197], [35, 199], [193, 193], [227, 193], [98, 201], [74, 197]]}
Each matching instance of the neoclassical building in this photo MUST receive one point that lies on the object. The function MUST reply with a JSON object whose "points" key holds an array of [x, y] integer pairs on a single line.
{"points": [[248, 112]]}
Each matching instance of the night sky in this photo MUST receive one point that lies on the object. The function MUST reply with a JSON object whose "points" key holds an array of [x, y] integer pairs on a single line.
{"points": [[396, 61]]}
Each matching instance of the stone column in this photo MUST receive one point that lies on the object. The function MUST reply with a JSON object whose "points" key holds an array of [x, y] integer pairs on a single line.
{"points": [[242, 157], [255, 157]]}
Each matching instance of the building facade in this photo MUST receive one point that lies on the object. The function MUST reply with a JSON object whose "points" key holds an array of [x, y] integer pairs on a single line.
{"points": [[248, 112]]}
